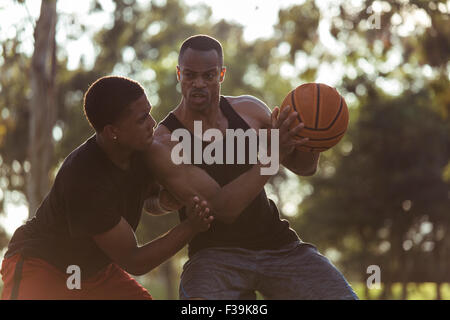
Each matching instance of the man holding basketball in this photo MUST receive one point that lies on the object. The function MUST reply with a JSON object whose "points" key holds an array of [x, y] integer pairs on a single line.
{"points": [[248, 247]]}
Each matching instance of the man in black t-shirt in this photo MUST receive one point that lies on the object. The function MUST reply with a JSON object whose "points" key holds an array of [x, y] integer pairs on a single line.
{"points": [[87, 221]]}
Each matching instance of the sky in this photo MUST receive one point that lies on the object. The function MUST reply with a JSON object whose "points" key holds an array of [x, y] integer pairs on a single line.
{"points": [[257, 16]]}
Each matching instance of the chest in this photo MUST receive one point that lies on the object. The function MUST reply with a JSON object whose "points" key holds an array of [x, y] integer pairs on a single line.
{"points": [[130, 192]]}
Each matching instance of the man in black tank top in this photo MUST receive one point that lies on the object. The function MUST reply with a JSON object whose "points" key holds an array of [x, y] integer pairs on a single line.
{"points": [[248, 247]]}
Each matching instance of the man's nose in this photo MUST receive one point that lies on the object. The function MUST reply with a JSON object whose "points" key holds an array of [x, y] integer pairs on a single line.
{"points": [[199, 82]]}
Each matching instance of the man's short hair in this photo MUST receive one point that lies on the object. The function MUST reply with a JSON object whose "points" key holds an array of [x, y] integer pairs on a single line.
{"points": [[201, 42], [108, 98]]}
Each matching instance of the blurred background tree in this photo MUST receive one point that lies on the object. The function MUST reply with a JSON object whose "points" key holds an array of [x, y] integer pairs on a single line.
{"points": [[380, 197]]}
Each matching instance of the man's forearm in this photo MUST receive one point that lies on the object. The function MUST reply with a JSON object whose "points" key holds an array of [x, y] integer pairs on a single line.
{"points": [[145, 258], [302, 163], [229, 201]]}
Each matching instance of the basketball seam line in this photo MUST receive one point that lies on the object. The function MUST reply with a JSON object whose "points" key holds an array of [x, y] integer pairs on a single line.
{"points": [[295, 107], [316, 129], [317, 105], [337, 115], [305, 145], [324, 139], [332, 123]]}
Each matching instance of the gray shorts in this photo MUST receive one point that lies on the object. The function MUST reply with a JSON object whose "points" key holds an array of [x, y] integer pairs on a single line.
{"points": [[296, 271]]}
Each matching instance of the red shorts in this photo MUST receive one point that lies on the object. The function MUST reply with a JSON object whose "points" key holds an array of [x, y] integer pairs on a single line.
{"points": [[36, 279]]}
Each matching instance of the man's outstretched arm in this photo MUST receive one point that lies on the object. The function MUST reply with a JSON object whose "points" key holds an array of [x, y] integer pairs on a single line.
{"points": [[120, 244], [185, 180]]}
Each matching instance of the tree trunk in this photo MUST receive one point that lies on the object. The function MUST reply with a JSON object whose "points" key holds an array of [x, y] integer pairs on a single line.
{"points": [[438, 291], [405, 274], [387, 292], [404, 290], [42, 105]]}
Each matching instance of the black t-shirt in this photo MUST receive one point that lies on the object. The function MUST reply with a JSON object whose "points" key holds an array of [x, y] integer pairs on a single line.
{"points": [[89, 196]]}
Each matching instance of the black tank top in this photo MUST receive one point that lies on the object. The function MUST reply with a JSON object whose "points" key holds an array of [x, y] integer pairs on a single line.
{"points": [[259, 226]]}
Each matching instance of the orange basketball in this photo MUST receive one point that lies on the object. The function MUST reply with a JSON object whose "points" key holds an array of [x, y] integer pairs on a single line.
{"points": [[323, 111]]}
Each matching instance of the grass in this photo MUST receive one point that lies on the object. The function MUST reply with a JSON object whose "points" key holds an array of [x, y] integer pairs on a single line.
{"points": [[416, 291]]}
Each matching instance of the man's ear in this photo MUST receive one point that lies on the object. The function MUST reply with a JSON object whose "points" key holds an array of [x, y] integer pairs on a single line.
{"points": [[110, 132], [178, 73], [222, 74]]}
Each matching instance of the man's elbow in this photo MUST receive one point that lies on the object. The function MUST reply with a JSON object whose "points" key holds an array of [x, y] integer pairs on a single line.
{"points": [[308, 173], [304, 172], [136, 271], [133, 264], [137, 268]]}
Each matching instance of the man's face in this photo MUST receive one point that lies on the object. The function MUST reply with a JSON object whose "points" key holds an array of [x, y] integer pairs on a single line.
{"points": [[135, 128], [200, 74]]}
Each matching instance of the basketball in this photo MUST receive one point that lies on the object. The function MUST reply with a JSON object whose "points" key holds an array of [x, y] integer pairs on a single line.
{"points": [[323, 111]]}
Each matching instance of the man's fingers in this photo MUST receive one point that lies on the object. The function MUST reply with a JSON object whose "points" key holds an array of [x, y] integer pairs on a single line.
{"points": [[283, 115], [301, 141], [203, 207], [296, 130], [204, 212], [285, 126], [274, 116]]}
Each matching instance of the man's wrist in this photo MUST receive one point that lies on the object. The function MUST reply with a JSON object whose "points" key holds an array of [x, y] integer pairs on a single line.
{"points": [[154, 206]]}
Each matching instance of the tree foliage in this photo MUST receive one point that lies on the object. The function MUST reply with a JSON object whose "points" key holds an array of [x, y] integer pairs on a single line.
{"points": [[380, 197]]}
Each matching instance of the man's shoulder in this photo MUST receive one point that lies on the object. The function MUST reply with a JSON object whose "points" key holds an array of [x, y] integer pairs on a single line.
{"points": [[247, 102], [85, 163], [250, 107]]}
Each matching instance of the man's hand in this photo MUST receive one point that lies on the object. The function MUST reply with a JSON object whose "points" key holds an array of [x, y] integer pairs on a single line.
{"points": [[198, 215], [287, 137]]}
